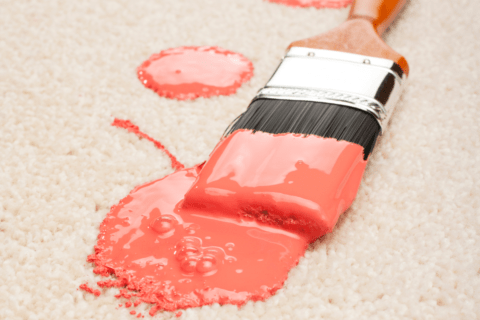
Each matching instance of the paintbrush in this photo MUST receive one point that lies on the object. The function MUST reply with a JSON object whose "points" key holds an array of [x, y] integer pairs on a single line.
{"points": [[296, 156]]}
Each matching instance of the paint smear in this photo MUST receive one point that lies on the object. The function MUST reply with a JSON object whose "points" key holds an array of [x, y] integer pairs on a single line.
{"points": [[126, 124], [300, 183], [175, 258], [186, 73], [314, 3], [86, 288]]}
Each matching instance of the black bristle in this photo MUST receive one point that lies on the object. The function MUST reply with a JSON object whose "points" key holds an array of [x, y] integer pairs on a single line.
{"points": [[326, 120]]}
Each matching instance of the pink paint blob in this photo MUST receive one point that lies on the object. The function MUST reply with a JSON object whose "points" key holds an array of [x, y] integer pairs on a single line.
{"points": [[186, 73], [314, 3]]}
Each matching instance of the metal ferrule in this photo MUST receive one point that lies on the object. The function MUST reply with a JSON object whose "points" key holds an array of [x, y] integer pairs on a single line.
{"points": [[366, 83]]}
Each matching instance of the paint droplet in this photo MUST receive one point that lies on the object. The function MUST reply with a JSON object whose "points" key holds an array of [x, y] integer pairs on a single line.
{"points": [[186, 73], [314, 3]]}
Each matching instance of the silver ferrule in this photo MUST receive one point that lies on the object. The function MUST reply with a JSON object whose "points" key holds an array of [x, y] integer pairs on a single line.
{"points": [[367, 83]]}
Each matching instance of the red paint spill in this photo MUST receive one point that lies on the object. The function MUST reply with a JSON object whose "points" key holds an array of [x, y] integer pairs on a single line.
{"points": [[314, 3], [178, 314], [128, 304], [191, 72], [176, 258], [133, 312], [86, 288], [248, 215], [139, 315], [126, 124], [300, 183]]}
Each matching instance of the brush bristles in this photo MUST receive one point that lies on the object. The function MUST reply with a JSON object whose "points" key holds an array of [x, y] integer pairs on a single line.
{"points": [[321, 119]]}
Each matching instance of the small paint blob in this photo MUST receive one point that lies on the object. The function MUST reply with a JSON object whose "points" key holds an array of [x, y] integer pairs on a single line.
{"points": [[186, 73], [178, 314], [86, 288], [128, 304], [314, 3], [181, 271], [133, 312]]}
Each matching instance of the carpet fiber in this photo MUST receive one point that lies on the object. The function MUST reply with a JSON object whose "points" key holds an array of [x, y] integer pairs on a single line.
{"points": [[409, 247]]}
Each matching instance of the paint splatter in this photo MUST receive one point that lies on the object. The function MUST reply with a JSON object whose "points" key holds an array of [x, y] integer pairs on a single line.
{"points": [[314, 3], [126, 124], [186, 73], [86, 288]]}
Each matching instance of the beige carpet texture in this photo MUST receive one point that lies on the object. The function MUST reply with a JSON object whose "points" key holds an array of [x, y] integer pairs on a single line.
{"points": [[408, 248]]}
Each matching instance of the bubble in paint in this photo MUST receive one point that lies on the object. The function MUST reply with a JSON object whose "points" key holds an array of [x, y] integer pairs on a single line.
{"points": [[187, 248], [189, 264], [230, 246], [231, 259], [207, 265], [191, 228], [164, 224]]}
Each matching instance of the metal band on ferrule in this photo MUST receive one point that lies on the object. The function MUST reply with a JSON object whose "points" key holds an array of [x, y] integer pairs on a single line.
{"points": [[367, 83]]}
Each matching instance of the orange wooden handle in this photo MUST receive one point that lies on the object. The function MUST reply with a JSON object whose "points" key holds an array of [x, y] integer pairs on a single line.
{"points": [[380, 12], [360, 34]]}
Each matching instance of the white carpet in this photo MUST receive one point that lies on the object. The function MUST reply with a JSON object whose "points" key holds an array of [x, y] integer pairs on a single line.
{"points": [[409, 248]]}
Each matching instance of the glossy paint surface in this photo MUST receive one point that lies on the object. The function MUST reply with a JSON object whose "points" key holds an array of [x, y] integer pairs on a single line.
{"points": [[301, 184], [314, 3], [190, 72], [180, 258]]}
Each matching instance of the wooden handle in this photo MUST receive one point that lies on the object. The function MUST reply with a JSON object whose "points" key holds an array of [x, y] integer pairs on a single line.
{"points": [[380, 12], [361, 32]]}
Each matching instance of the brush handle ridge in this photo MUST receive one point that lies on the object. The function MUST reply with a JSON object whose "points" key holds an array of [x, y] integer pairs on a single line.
{"points": [[380, 12]]}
